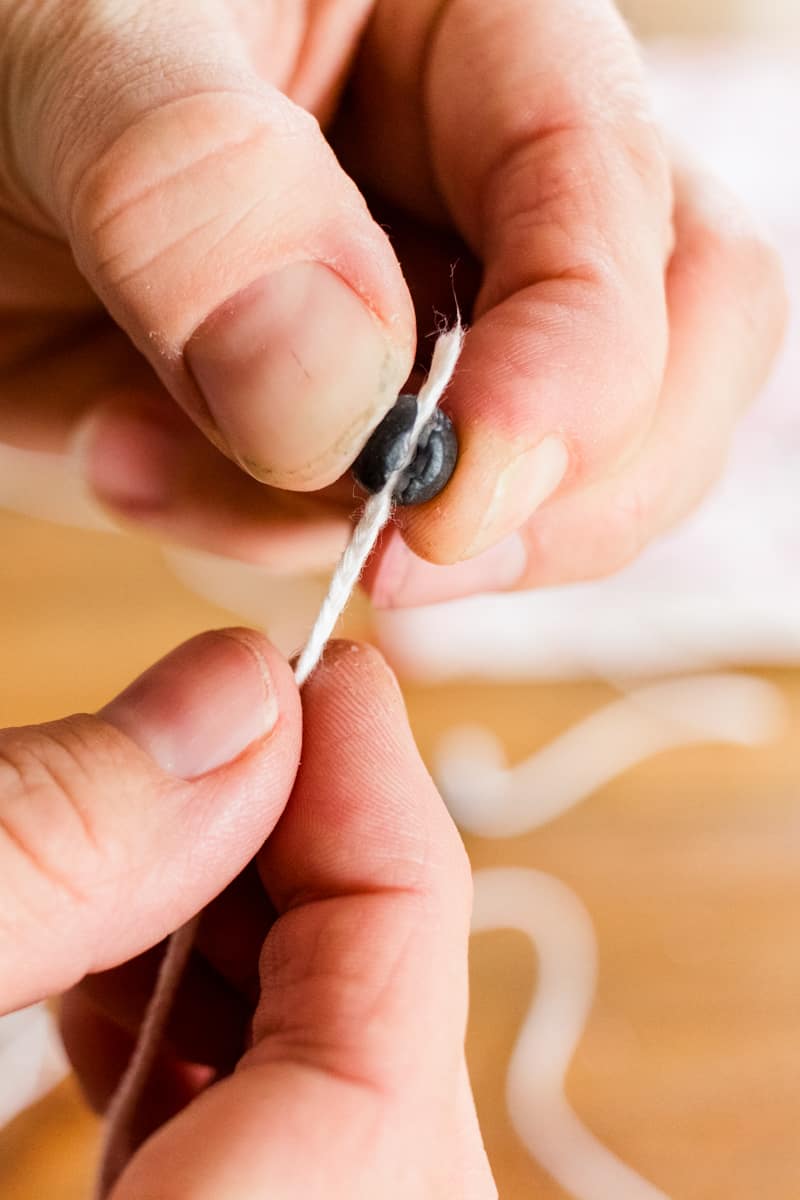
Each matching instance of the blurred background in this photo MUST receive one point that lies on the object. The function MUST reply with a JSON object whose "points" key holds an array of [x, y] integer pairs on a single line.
{"points": [[760, 18], [623, 760]]}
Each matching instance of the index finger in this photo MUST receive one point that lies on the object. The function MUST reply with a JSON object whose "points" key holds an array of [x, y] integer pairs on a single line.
{"points": [[546, 158]]}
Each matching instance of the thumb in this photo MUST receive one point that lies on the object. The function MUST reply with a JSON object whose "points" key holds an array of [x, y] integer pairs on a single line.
{"points": [[210, 216], [116, 828], [355, 1084]]}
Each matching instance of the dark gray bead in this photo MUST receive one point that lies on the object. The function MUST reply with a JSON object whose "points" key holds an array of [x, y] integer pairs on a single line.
{"points": [[433, 462]]}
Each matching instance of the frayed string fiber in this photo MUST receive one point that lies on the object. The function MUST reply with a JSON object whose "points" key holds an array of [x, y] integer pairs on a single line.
{"points": [[375, 516]]}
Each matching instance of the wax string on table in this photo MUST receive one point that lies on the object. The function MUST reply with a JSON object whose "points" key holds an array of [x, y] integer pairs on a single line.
{"points": [[375, 516]]}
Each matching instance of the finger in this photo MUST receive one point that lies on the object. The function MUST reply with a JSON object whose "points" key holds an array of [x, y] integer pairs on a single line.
{"points": [[396, 577], [728, 313], [565, 198], [367, 828], [106, 431], [544, 154], [150, 467], [210, 216], [359, 1032], [115, 829], [727, 306]]}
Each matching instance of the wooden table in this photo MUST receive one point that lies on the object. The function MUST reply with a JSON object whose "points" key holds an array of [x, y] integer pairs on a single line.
{"points": [[688, 864]]}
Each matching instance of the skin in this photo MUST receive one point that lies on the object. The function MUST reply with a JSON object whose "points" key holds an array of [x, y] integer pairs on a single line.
{"points": [[158, 165], [201, 311], [340, 881]]}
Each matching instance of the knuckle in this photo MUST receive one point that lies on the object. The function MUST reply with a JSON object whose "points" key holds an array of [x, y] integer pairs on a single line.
{"points": [[622, 534], [767, 284], [175, 205], [22, 59], [749, 252], [647, 152], [54, 76], [734, 256], [729, 234], [754, 265]]}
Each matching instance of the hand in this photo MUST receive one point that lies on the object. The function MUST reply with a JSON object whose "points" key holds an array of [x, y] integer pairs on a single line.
{"points": [[114, 829], [622, 311]]}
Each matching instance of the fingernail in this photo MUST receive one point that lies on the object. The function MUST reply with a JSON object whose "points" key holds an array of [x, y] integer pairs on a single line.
{"points": [[296, 372], [201, 706], [129, 460], [524, 485], [403, 580]]}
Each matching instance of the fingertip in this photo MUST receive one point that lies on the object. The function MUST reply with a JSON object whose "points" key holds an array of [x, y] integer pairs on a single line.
{"points": [[353, 673], [130, 451], [499, 484], [364, 812], [401, 579], [205, 703], [279, 681]]}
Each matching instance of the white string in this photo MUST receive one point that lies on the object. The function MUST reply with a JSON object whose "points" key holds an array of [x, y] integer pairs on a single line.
{"points": [[377, 511], [116, 1148], [378, 508]]}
